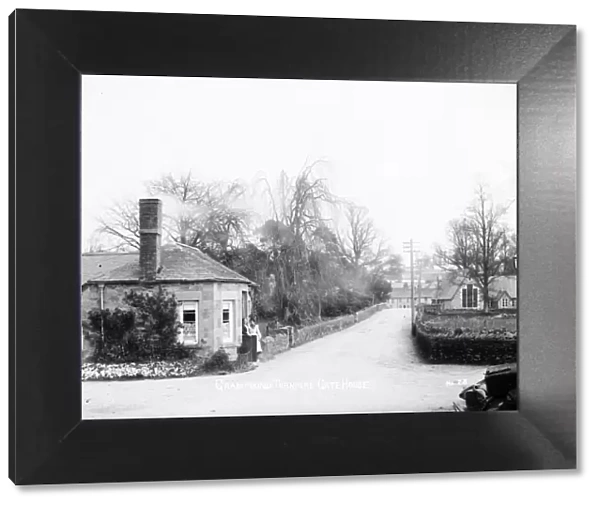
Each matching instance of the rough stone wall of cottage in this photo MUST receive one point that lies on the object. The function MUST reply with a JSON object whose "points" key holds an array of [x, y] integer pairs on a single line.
{"points": [[203, 293], [210, 297], [90, 299]]}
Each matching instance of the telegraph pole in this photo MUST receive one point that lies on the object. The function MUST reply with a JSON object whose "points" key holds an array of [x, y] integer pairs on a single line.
{"points": [[409, 247], [420, 265]]}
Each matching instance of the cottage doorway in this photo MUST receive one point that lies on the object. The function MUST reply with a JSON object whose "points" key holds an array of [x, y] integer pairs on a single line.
{"points": [[226, 322]]}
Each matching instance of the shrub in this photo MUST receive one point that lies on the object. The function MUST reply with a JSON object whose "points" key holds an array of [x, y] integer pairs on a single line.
{"points": [[146, 330], [115, 324], [264, 307], [218, 361], [380, 288], [344, 302], [156, 316]]}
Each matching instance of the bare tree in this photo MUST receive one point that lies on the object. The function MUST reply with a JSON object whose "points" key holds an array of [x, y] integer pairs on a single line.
{"points": [[509, 253], [392, 266], [293, 238], [298, 202], [122, 224], [202, 214], [361, 244], [461, 254], [206, 214], [478, 244], [185, 188]]}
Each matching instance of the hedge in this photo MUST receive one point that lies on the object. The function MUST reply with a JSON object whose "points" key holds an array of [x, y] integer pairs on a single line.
{"points": [[466, 347]]}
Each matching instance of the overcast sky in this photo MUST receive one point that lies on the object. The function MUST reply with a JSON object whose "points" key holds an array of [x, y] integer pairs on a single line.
{"points": [[412, 153]]}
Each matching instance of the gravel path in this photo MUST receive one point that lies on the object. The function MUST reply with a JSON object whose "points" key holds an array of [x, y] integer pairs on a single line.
{"points": [[370, 367]]}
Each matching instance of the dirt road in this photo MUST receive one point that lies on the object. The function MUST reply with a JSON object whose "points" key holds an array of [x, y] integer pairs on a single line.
{"points": [[370, 367]]}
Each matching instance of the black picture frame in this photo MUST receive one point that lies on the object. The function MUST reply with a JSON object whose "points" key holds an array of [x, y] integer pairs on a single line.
{"points": [[50, 50]]}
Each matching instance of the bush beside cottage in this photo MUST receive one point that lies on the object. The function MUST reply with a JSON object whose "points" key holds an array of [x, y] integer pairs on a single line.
{"points": [[140, 341]]}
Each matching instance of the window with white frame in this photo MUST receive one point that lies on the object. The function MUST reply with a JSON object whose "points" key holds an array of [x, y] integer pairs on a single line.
{"points": [[504, 302], [227, 323], [470, 295], [188, 316]]}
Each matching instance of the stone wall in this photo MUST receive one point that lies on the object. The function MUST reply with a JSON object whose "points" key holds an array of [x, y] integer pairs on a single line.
{"points": [[283, 339], [370, 311], [278, 342], [307, 334]]}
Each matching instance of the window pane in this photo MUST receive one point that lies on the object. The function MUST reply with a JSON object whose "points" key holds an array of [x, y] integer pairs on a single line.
{"points": [[469, 297], [225, 315], [189, 316]]}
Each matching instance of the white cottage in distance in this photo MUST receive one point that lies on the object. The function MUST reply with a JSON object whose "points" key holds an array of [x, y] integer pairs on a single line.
{"points": [[451, 292], [464, 293]]}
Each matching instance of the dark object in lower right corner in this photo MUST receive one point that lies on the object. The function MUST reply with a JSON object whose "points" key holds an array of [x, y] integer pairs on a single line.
{"points": [[501, 379], [497, 391]]}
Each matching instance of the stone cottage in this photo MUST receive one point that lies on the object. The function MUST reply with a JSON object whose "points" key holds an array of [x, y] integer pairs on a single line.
{"points": [[213, 299]]}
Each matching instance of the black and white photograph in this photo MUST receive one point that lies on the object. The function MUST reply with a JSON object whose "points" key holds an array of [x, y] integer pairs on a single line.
{"points": [[266, 245], [257, 247]]}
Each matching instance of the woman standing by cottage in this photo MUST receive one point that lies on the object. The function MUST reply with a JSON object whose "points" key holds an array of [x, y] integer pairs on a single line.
{"points": [[254, 330]]}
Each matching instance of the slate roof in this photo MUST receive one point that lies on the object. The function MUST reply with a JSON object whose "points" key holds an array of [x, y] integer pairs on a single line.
{"points": [[449, 286], [497, 286], [178, 263], [95, 264], [503, 284]]}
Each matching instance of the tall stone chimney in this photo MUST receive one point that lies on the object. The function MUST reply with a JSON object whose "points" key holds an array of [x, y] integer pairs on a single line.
{"points": [[150, 233]]}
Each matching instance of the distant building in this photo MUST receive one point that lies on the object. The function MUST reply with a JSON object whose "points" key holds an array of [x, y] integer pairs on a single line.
{"points": [[401, 293], [425, 288], [451, 292], [503, 292], [464, 293]]}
